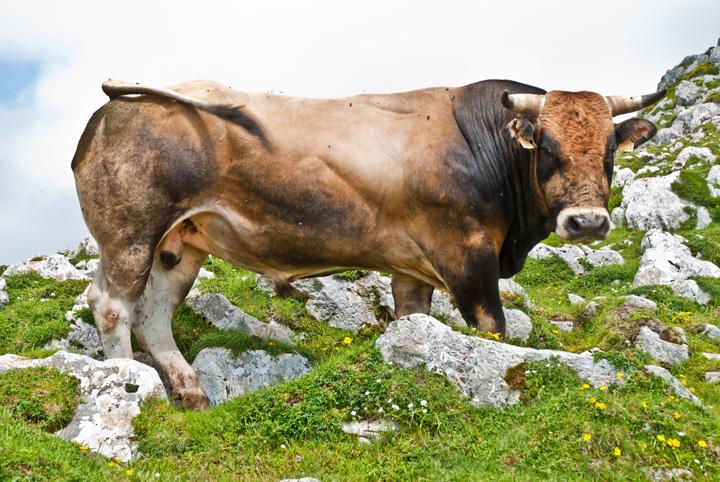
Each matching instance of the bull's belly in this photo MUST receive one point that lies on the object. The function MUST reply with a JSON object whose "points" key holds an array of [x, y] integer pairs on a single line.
{"points": [[285, 252]]}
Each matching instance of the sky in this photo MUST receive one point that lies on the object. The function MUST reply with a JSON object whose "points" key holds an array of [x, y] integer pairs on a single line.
{"points": [[55, 55]]}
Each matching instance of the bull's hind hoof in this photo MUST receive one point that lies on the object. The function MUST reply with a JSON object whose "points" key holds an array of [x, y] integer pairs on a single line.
{"points": [[193, 400]]}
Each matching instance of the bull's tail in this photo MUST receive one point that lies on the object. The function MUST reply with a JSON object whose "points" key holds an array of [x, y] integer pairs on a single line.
{"points": [[233, 113]]}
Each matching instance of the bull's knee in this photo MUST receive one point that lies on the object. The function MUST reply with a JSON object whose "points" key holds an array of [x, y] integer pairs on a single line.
{"points": [[112, 318]]}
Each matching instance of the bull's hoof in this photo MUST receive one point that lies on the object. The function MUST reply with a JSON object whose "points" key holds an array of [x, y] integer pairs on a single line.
{"points": [[193, 399]]}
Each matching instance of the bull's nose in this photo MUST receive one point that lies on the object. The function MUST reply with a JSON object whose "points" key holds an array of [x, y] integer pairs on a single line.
{"points": [[588, 225]]}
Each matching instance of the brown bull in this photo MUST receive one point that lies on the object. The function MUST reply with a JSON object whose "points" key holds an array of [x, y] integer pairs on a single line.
{"points": [[443, 187]]}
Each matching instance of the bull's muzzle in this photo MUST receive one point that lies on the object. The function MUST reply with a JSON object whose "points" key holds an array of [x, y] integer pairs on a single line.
{"points": [[583, 223]]}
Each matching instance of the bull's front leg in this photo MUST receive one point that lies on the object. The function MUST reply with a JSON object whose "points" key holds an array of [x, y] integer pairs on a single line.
{"points": [[472, 278]]}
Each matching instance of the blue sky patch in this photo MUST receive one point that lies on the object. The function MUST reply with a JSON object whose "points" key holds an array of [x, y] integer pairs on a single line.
{"points": [[16, 76]]}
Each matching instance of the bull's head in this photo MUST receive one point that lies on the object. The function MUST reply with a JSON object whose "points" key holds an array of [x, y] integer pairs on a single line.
{"points": [[574, 141]]}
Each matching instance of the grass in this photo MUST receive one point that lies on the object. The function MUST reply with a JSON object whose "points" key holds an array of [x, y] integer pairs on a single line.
{"points": [[294, 429], [35, 314], [43, 397]]}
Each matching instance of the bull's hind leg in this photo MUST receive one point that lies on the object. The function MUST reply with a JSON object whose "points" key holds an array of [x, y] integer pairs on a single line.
{"points": [[112, 305], [411, 295], [169, 282]]}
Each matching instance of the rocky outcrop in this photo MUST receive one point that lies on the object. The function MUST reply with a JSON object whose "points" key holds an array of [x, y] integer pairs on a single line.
{"points": [[87, 246], [56, 267], [476, 366], [666, 260], [651, 343], [224, 376], [649, 203], [4, 297], [368, 430], [338, 302], [578, 255], [673, 383], [111, 392], [222, 314]]}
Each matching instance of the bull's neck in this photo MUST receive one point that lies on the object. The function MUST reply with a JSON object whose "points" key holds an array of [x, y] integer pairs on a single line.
{"points": [[502, 170]]}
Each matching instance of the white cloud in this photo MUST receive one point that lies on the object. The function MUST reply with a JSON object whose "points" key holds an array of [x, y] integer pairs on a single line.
{"points": [[319, 48]]}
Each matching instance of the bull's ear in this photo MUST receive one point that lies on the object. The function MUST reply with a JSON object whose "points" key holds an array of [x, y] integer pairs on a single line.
{"points": [[633, 132], [523, 131]]}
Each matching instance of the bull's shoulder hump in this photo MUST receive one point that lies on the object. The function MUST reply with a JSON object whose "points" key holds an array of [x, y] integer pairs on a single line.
{"points": [[212, 92]]}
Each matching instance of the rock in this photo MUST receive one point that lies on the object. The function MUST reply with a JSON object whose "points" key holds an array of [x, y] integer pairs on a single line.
{"points": [[510, 286], [4, 297], [88, 268], [220, 313], [690, 152], [622, 177], [576, 255], [575, 299], [443, 308], [651, 343], [666, 260], [376, 289], [205, 274], [591, 309], [691, 118], [56, 267], [650, 203], [563, 325], [517, 324], [87, 246], [712, 377], [83, 337], [369, 429], [639, 303], [668, 474], [223, 376], [687, 92], [264, 284], [713, 176], [476, 366], [111, 392], [711, 331], [337, 302], [666, 135], [712, 356], [673, 383]]}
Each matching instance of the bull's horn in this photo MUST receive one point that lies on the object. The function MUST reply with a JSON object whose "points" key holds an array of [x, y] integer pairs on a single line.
{"points": [[528, 104], [620, 104]]}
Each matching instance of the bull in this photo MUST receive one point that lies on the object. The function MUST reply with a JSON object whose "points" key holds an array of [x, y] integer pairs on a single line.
{"points": [[441, 187]]}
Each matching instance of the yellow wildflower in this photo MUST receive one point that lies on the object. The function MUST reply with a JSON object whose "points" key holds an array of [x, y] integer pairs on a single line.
{"points": [[603, 388], [620, 374], [129, 472], [692, 389], [585, 386], [601, 406], [673, 442], [643, 404], [111, 464], [677, 415], [702, 443], [588, 437], [661, 438], [593, 400], [617, 452], [347, 340]]}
